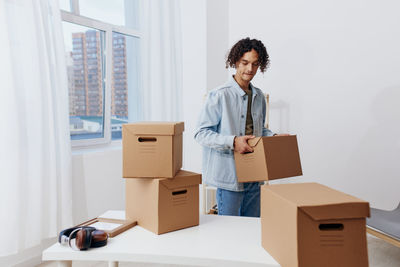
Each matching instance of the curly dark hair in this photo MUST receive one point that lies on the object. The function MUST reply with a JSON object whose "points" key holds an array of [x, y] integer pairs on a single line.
{"points": [[244, 46]]}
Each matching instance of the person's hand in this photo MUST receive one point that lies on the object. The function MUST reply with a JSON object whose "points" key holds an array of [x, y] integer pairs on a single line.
{"points": [[282, 134], [241, 145]]}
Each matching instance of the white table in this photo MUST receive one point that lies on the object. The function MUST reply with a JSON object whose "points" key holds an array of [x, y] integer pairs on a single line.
{"points": [[217, 241]]}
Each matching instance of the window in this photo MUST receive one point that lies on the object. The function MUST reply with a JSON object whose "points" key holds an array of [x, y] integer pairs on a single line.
{"points": [[102, 53], [116, 12]]}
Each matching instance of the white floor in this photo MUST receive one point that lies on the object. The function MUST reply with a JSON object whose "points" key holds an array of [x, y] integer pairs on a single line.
{"points": [[381, 254]]}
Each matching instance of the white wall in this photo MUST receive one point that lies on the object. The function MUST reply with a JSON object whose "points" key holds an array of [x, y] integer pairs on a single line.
{"points": [[217, 42], [193, 14], [334, 81], [98, 185]]}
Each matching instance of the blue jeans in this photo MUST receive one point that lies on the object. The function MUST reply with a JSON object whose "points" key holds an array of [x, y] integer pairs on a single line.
{"points": [[244, 203]]}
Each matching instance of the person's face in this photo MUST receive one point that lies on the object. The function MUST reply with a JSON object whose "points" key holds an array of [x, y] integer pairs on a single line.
{"points": [[247, 66]]}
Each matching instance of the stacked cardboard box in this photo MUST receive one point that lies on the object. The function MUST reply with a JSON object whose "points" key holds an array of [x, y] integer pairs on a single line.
{"points": [[159, 195], [304, 224]]}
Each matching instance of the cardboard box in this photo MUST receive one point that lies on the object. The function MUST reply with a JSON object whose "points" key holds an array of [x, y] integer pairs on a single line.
{"points": [[311, 225], [152, 149], [164, 205], [273, 158]]}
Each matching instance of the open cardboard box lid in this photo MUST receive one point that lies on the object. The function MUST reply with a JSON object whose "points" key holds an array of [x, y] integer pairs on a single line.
{"points": [[182, 179], [155, 128], [321, 202]]}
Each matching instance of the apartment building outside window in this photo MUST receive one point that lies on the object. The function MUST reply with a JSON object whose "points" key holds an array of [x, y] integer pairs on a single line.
{"points": [[102, 41]]}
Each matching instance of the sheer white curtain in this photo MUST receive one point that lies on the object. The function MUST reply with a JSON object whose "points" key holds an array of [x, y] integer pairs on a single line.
{"points": [[35, 163], [161, 60]]}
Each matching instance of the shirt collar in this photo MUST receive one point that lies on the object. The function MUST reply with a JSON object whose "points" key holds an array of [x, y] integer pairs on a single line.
{"points": [[232, 82]]}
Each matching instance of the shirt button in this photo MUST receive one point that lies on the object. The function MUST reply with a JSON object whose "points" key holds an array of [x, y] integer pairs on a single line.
{"points": [[242, 116], [241, 133]]}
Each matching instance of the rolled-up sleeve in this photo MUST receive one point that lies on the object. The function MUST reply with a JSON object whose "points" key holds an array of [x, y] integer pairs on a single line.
{"points": [[208, 126]]}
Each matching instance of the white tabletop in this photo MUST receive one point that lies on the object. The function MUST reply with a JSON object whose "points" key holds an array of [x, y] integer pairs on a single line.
{"points": [[218, 240]]}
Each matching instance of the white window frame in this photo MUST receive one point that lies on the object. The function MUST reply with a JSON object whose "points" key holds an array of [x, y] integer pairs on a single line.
{"points": [[75, 17]]}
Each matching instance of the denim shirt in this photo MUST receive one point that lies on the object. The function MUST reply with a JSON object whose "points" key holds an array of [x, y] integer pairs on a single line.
{"points": [[222, 118]]}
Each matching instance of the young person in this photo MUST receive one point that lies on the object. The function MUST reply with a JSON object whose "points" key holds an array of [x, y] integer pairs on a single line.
{"points": [[234, 113]]}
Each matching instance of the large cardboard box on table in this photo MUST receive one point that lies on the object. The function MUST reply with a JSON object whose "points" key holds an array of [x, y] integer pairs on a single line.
{"points": [[152, 149], [274, 157], [164, 205], [311, 225]]}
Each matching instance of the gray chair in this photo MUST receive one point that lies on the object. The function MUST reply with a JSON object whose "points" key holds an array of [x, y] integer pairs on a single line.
{"points": [[385, 224]]}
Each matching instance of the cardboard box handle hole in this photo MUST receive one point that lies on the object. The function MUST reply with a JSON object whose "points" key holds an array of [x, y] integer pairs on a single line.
{"points": [[331, 227], [180, 192], [147, 139]]}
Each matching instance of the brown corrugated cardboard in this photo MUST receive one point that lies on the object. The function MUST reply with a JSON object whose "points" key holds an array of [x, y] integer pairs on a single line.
{"points": [[274, 157], [311, 225], [164, 205], [152, 149]]}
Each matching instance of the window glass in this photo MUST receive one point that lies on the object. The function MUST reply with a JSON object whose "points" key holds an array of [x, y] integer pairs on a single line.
{"points": [[85, 68], [125, 81]]}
